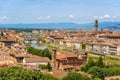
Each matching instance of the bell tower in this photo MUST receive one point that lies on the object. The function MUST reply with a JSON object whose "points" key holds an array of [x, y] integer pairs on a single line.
{"points": [[96, 25]]}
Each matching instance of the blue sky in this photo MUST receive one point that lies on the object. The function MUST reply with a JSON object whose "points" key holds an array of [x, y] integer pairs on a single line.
{"points": [[51, 11]]}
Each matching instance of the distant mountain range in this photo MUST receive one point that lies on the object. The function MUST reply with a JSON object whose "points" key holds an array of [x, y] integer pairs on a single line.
{"points": [[102, 25]]}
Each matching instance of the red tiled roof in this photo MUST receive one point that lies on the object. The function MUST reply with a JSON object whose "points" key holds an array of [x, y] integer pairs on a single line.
{"points": [[32, 58], [65, 55]]}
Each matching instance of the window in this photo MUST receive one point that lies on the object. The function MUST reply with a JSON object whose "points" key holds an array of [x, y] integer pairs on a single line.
{"points": [[64, 61]]}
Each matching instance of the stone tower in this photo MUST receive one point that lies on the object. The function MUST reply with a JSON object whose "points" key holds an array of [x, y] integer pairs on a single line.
{"points": [[54, 52], [96, 25]]}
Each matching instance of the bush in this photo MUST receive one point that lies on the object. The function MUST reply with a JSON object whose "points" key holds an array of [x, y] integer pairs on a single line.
{"points": [[97, 72], [49, 67], [89, 64], [75, 76], [100, 63], [42, 66], [97, 79], [83, 46]]}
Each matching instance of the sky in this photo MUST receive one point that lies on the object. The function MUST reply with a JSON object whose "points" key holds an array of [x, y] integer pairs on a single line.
{"points": [[54, 11]]}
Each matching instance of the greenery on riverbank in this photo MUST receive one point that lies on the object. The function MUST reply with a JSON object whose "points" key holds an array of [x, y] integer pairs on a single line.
{"points": [[112, 61], [52, 46], [39, 52], [99, 69]]}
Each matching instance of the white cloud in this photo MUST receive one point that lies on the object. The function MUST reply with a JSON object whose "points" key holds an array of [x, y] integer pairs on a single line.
{"points": [[48, 17], [3, 17], [71, 16], [107, 16], [95, 17]]}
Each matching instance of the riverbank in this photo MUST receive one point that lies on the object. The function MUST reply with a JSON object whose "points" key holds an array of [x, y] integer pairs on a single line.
{"points": [[53, 46]]}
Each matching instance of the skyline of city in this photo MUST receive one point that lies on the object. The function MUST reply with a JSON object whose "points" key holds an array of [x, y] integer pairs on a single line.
{"points": [[59, 40], [52, 11]]}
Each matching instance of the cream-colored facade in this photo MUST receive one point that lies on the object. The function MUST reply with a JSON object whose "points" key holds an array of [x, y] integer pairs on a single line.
{"points": [[118, 50], [70, 44], [77, 45]]}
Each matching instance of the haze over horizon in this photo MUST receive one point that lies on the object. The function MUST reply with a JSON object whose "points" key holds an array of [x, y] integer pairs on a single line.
{"points": [[53, 11]]}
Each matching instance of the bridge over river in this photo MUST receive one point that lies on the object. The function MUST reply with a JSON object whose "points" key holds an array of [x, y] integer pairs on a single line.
{"points": [[30, 38], [33, 40]]}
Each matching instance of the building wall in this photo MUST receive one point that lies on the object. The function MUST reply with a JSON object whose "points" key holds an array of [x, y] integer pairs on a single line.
{"points": [[88, 47], [77, 45], [56, 41], [113, 50], [73, 61], [68, 44], [97, 48], [34, 63], [118, 50], [105, 50], [61, 43]]}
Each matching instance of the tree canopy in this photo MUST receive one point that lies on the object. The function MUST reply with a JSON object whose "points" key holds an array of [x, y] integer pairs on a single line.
{"points": [[38, 52], [18, 73], [99, 70], [75, 76]]}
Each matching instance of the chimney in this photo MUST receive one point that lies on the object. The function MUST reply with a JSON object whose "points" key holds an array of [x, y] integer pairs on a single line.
{"points": [[96, 25], [54, 51]]}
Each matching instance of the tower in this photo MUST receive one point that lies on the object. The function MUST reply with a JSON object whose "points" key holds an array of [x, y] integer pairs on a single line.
{"points": [[54, 51], [96, 25]]}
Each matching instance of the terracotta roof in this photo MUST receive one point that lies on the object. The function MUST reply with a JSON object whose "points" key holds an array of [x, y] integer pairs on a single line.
{"points": [[37, 59], [59, 73], [30, 56], [109, 35], [64, 54], [67, 66], [56, 36], [77, 35], [61, 56], [19, 55]]}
